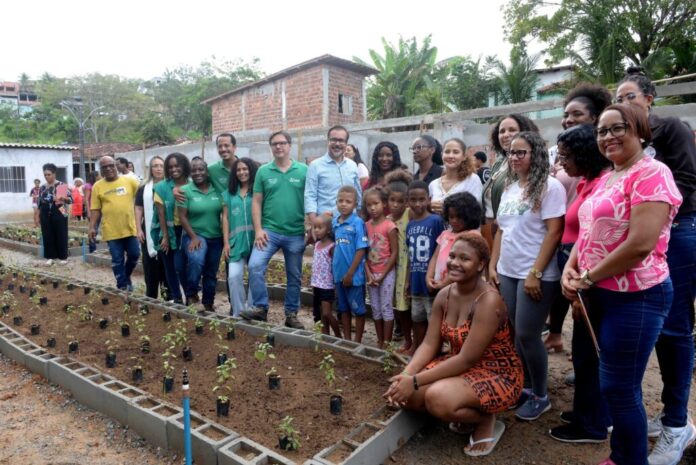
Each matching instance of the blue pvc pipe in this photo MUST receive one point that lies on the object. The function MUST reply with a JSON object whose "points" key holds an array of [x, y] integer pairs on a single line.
{"points": [[84, 251], [187, 422]]}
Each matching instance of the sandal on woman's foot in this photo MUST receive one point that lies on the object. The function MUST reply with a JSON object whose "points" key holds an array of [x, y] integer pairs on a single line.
{"points": [[461, 428], [554, 348], [498, 430]]}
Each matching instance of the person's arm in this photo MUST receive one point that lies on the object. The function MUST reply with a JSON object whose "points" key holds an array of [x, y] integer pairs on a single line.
{"points": [[348, 277], [430, 274], [195, 243], [570, 272], [261, 238], [88, 199], [495, 255], [93, 220], [311, 199], [179, 195], [225, 232], [394, 247], [554, 231], [162, 217], [138, 223], [647, 220]]}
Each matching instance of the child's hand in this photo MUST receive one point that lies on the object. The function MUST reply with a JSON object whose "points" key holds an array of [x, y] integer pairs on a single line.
{"points": [[432, 284], [347, 280]]}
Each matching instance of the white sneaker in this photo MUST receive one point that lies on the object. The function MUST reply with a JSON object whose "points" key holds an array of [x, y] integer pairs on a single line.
{"points": [[63, 262], [671, 445], [655, 425], [49, 262]]}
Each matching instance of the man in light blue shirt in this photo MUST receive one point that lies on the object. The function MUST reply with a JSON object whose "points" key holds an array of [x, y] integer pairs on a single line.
{"points": [[328, 173]]}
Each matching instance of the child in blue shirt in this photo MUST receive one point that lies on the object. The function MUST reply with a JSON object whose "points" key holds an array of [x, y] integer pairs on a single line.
{"points": [[349, 262], [421, 235]]}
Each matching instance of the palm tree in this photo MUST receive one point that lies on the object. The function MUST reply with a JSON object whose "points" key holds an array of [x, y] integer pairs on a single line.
{"points": [[516, 83], [406, 83]]}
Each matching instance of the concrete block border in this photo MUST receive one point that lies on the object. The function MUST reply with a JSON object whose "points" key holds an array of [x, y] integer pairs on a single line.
{"points": [[161, 423], [34, 249]]}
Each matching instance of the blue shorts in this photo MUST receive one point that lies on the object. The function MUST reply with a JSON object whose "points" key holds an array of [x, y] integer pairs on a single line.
{"points": [[351, 299]]}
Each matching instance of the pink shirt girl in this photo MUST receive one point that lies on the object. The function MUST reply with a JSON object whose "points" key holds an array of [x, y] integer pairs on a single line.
{"points": [[380, 248], [605, 218]]}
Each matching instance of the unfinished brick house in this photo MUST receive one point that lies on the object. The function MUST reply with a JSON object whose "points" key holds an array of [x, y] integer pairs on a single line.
{"points": [[318, 93]]}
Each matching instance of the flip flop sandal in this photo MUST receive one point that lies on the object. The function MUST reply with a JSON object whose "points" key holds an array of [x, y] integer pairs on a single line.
{"points": [[498, 431], [461, 428]]}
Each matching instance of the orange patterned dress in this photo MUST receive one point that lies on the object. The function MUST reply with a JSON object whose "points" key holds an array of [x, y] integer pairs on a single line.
{"points": [[497, 378]]}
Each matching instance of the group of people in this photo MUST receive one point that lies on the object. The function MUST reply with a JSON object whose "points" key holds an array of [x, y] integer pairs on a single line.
{"points": [[465, 259]]}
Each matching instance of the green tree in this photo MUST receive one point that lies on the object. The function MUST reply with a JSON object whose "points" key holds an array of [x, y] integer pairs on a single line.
{"points": [[602, 36], [407, 83], [517, 82], [468, 82], [156, 130]]}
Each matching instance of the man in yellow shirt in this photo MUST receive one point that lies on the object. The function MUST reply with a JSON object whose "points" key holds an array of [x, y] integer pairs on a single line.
{"points": [[113, 200]]}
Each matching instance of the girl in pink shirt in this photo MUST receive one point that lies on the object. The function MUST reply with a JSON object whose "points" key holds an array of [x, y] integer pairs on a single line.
{"points": [[381, 260]]}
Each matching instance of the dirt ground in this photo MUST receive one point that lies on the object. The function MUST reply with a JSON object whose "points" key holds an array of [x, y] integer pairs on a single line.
{"points": [[71, 434]]}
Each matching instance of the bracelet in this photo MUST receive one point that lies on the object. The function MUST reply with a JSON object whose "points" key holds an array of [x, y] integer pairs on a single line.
{"points": [[415, 383]]}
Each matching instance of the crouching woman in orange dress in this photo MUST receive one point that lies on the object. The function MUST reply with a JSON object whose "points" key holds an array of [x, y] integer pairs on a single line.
{"points": [[482, 374]]}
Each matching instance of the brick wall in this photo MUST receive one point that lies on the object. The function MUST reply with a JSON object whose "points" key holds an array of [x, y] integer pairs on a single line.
{"points": [[304, 95]]}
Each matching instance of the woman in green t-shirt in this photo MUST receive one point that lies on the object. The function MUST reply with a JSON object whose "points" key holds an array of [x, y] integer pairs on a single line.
{"points": [[199, 214], [238, 229]]}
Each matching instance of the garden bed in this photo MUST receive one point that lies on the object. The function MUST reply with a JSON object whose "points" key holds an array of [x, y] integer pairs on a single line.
{"points": [[256, 411], [32, 235]]}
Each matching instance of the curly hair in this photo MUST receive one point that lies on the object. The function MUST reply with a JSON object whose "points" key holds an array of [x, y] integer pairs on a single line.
{"points": [[233, 184], [581, 144], [398, 181], [637, 75], [539, 169], [376, 173], [183, 163], [467, 167], [523, 122], [467, 207], [478, 243], [595, 98]]}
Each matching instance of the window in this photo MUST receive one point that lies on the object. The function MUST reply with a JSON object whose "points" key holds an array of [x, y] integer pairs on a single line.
{"points": [[62, 174], [12, 179], [345, 104]]}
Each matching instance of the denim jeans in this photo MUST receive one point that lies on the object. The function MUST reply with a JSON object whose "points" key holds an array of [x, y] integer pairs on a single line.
{"points": [[235, 286], [173, 267], [675, 346], [202, 263], [125, 253], [628, 331], [293, 248]]}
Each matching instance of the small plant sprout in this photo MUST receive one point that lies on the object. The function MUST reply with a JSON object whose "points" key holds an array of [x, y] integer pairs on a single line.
{"points": [[272, 371], [84, 312], [224, 375], [111, 343], [125, 311], [389, 360], [35, 299], [263, 351], [168, 357], [317, 331], [327, 367], [290, 437]]}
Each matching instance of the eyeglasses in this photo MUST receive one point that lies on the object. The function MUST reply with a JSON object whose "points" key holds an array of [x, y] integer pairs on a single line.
{"points": [[519, 154], [279, 144], [629, 96], [335, 140], [418, 148], [616, 130]]}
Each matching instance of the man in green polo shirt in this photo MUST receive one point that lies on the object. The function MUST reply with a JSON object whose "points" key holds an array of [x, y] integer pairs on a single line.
{"points": [[278, 214], [219, 172]]}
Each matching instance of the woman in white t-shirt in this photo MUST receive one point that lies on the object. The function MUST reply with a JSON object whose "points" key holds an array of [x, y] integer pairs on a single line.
{"points": [[353, 153], [530, 220], [459, 175]]}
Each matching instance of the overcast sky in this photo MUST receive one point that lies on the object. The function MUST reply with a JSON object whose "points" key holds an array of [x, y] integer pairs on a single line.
{"points": [[141, 39]]}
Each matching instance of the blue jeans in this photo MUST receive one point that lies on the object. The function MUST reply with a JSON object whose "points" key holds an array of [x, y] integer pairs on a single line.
{"points": [[630, 325], [235, 286], [202, 263], [675, 346], [293, 248], [125, 253], [174, 268]]}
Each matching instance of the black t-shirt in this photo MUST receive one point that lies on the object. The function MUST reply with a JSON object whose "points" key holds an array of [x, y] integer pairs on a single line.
{"points": [[433, 173], [139, 201], [484, 173], [674, 146]]}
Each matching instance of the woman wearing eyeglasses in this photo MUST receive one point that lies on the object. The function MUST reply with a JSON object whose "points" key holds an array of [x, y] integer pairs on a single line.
{"points": [[673, 144], [619, 262], [427, 154], [530, 221]]}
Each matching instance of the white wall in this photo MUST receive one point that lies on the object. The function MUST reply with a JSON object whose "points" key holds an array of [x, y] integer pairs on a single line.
{"points": [[18, 205]]}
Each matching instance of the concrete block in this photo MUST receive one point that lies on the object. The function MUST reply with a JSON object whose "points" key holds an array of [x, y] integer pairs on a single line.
{"points": [[148, 417], [369, 353], [244, 451], [345, 346], [62, 371], [16, 348], [37, 361], [206, 437], [117, 398]]}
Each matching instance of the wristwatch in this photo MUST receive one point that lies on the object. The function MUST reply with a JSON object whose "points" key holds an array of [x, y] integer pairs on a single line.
{"points": [[585, 278], [536, 273]]}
